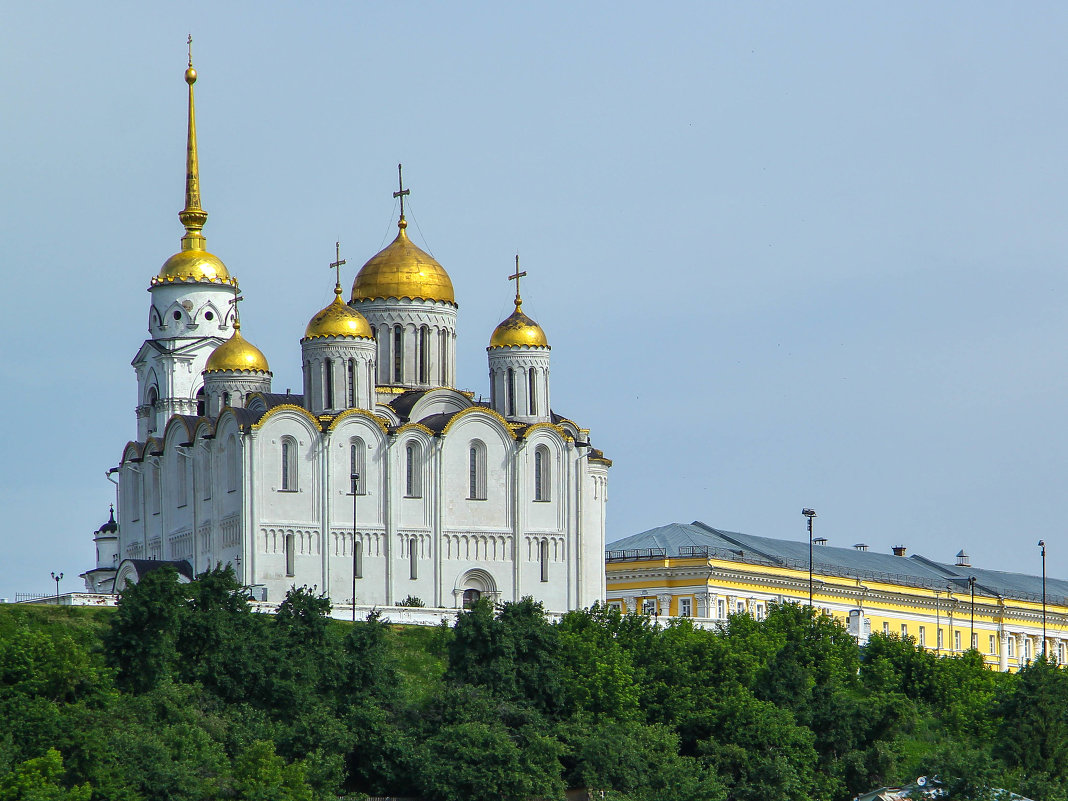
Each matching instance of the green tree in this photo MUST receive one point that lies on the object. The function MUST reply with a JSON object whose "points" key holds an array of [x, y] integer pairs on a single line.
{"points": [[757, 748], [599, 676], [1033, 735], [261, 775], [141, 643], [515, 653], [39, 780], [485, 762], [641, 761], [221, 644]]}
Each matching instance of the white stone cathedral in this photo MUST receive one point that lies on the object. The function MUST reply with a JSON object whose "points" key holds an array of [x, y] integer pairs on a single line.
{"points": [[381, 481]]}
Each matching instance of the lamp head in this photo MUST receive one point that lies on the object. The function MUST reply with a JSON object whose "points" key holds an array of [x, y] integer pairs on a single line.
{"points": [[809, 513]]}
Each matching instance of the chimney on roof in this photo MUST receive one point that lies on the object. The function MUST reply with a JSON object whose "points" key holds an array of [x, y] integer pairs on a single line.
{"points": [[899, 550], [819, 541], [963, 560], [860, 546]]}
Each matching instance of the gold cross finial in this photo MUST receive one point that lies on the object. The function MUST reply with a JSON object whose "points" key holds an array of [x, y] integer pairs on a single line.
{"points": [[237, 316], [401, 191], [336, 265], [515, 277], [189, 42]]}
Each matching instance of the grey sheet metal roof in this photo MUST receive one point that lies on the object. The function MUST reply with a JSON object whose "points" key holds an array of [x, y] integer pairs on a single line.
{"points": [[697, 538]]}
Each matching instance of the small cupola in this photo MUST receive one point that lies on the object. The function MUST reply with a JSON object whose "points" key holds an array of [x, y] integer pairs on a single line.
{"points": [[234, 370], [339, 355], [963, 560], [519, 364]]}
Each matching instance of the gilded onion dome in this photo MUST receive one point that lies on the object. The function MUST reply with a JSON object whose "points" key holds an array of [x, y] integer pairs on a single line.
{"points": [[237, 355], [403, 270], [192, 262], [338, 320], [518, 330]]}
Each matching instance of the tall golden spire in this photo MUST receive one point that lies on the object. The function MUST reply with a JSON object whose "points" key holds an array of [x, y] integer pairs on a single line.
{"points": [[192, 216]]}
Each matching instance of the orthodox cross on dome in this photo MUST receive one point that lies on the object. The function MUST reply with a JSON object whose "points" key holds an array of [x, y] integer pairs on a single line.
{"points": [[515, 277], [237, 299], [336, 264], [401, 192], [189, 42]]}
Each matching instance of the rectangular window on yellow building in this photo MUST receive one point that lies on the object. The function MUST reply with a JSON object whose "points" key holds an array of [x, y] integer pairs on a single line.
{"points": [[886, 628], [956, 641], [685, 607], [923, 636], [904, 630], [991, 643]]}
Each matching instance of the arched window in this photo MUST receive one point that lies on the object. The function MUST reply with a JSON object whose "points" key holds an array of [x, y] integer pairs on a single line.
{"points": [[291, 554], [153, 401], [413, 558], [532, 391], [182, 482], [289, 465], [471, 597], [206, 473], [412, 471], [442, 340], [357, 459], [231, 464], [543, 558], [134, 494], [352, 383], [424, 355], [328, 384], [357, 559], [156, 489], [201, 407], [477, 471], [541, 474], [511, 392], [398, 354], [226, 400]]}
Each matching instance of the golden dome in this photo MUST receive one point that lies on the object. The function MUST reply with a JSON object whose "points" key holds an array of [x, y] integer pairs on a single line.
{"points": [[338, 320], [518, 330], [237, 355], [193, 265], [403, 270]]}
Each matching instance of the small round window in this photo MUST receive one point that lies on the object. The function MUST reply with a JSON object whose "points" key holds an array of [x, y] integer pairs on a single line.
{"points": [[209, 316], [177, 315]]}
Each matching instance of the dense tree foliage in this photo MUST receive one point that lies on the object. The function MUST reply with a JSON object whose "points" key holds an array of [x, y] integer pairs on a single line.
{"points": [[184, 693]]}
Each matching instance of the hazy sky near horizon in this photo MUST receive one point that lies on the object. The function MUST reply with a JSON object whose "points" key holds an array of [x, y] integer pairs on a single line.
{"points": [[786, 255]]}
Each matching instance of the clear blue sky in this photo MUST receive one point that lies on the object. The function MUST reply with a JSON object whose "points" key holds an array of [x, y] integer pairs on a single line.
{"points": [[786, 254]]}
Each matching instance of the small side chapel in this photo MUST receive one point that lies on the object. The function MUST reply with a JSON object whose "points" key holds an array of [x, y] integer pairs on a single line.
{"points": [[381, 480]]}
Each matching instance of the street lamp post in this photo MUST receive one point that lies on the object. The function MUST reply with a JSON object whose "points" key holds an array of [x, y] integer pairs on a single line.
{"points": [[57, 577], [355, 480], [809, 513], [1042, 545]]}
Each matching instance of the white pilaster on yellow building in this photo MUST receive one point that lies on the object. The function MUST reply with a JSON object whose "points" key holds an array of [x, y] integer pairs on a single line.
{"points": [[700, 572]]}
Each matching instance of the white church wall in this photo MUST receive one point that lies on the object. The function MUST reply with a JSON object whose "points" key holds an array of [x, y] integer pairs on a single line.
{"points": [[492, 511]]}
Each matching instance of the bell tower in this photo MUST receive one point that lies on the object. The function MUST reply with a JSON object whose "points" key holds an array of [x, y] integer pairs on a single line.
{"points": [[189, 314]]}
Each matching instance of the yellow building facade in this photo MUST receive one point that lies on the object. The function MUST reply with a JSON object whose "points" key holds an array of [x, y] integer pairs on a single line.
{"points": [[697, 571]]}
